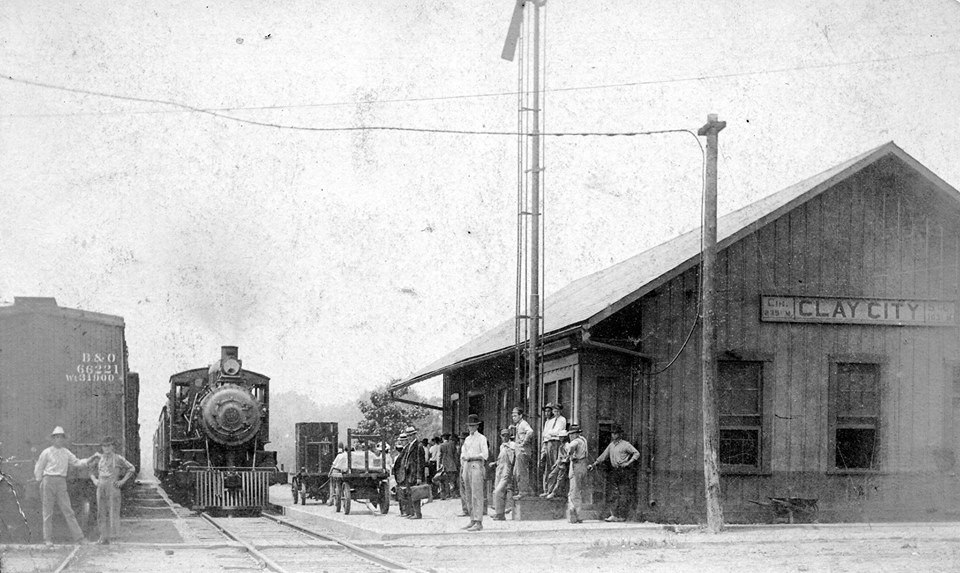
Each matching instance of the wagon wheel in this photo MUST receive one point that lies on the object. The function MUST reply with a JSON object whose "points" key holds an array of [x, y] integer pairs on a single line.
{"points": [[813, 513], [384, 496], [346, 499], [337, 497]]}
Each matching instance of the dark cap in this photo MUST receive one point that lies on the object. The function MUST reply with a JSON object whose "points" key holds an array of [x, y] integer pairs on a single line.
{"points": [[505, 432], [473, 420], [108, 441], [574, 428], [518, 410]]}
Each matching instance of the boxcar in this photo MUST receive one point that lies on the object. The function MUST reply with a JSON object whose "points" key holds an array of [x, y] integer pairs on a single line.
{"points": [[315, 450], [59, 367]]}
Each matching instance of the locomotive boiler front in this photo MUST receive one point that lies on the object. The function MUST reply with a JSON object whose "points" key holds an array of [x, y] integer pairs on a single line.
{"points": [[230, 415], [209, 447]]}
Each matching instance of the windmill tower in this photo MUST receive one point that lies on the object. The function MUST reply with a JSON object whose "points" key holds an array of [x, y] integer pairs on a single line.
{"points": [[524, 38]]}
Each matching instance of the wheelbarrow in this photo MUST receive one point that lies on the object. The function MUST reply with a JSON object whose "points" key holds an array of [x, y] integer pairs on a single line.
{"points": [[794, 509]]}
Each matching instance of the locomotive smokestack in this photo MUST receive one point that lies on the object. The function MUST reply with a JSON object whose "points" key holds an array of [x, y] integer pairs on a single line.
{"points": [[228, 352]]}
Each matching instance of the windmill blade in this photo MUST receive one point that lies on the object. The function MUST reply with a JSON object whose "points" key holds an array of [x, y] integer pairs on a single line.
{"points": [[513, 32]]}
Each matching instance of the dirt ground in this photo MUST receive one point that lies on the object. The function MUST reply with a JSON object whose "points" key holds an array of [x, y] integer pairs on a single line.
{"points": [[436, 543], [906, 548]]}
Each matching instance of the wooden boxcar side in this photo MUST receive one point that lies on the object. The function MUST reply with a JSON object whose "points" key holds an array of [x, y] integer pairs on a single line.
{"points": [[61, 367]]}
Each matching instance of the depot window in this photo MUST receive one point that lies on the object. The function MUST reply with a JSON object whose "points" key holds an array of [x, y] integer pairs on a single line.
{"points": [[741, 399], [855, 396]]}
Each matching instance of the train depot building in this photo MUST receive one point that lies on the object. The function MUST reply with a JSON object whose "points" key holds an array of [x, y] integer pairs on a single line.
{"points": [[838, 364]]}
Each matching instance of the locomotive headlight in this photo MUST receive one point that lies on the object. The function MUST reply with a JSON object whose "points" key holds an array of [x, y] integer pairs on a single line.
{"points": [[230, 366]]}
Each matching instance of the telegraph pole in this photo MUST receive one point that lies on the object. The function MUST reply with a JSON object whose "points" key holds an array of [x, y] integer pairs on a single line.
{"points": [[711, 438]]}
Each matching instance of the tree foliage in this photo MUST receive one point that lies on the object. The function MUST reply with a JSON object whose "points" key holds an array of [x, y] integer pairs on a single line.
{"points": [[381, 413]]}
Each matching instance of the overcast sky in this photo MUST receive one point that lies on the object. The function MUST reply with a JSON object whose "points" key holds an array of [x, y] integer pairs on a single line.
{"points": [[338, 260]]}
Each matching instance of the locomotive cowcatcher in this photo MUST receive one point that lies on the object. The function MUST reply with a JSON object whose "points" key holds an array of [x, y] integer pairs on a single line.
{"points": [[208, 449]]}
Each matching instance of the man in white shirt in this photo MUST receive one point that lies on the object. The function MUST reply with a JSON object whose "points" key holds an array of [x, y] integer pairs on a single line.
{"points": [[51, 471], [473, 462], [552, 426]]}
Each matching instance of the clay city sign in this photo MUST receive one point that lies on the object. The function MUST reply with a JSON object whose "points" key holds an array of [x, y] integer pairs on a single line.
{"points": [[899, 312]]}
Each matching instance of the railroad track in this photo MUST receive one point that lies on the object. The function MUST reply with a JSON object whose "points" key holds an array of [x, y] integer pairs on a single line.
{"points": [[286, 547]]}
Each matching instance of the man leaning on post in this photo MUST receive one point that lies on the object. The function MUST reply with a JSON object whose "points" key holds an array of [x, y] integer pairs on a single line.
{"points": [[504, 481], [524, 448], [51, 471]]}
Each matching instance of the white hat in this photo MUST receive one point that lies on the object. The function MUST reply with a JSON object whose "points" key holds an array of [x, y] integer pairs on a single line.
{"points": [[58, 431]]}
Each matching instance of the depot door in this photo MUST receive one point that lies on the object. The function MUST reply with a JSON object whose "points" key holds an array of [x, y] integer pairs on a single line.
{"points": [[475, 406], [622, 400]]}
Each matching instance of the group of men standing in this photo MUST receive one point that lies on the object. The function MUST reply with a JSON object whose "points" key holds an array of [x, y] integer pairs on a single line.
{"points": [[108, 471], [563, 458], [422, 471]]}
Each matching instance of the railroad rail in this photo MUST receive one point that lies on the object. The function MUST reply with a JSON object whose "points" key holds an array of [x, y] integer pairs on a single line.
{"points": [[67, 560], [283, 547]]}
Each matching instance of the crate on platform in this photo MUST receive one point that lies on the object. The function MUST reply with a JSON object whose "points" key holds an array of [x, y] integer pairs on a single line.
{"points": [[539, 509]]}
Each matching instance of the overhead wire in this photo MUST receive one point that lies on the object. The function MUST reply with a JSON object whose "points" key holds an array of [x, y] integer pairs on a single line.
{"points": [[341, 129], [699, 314], [695, 78]]}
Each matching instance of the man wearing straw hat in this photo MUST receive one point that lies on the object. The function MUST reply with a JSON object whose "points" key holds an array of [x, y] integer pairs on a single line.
{"points": [[412, 466], [473, 461], [51, 471]]}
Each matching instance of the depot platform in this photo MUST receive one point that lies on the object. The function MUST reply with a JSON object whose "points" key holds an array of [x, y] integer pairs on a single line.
{"points": [[440, 518]]}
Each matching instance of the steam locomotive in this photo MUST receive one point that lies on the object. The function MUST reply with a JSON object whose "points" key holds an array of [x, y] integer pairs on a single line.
{"points": [[208, 447]]}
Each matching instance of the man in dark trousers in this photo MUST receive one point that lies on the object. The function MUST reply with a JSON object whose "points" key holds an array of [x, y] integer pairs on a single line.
{"points": [[400, 444], [295, 482], [622, 455], [448, 475], [412, 468]]}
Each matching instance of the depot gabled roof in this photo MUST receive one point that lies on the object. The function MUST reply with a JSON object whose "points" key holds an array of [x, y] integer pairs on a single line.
{"points": [[588, 300]]}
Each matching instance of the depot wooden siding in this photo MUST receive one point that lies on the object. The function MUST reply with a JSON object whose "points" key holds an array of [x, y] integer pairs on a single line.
{"points": [[881, 233]]}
